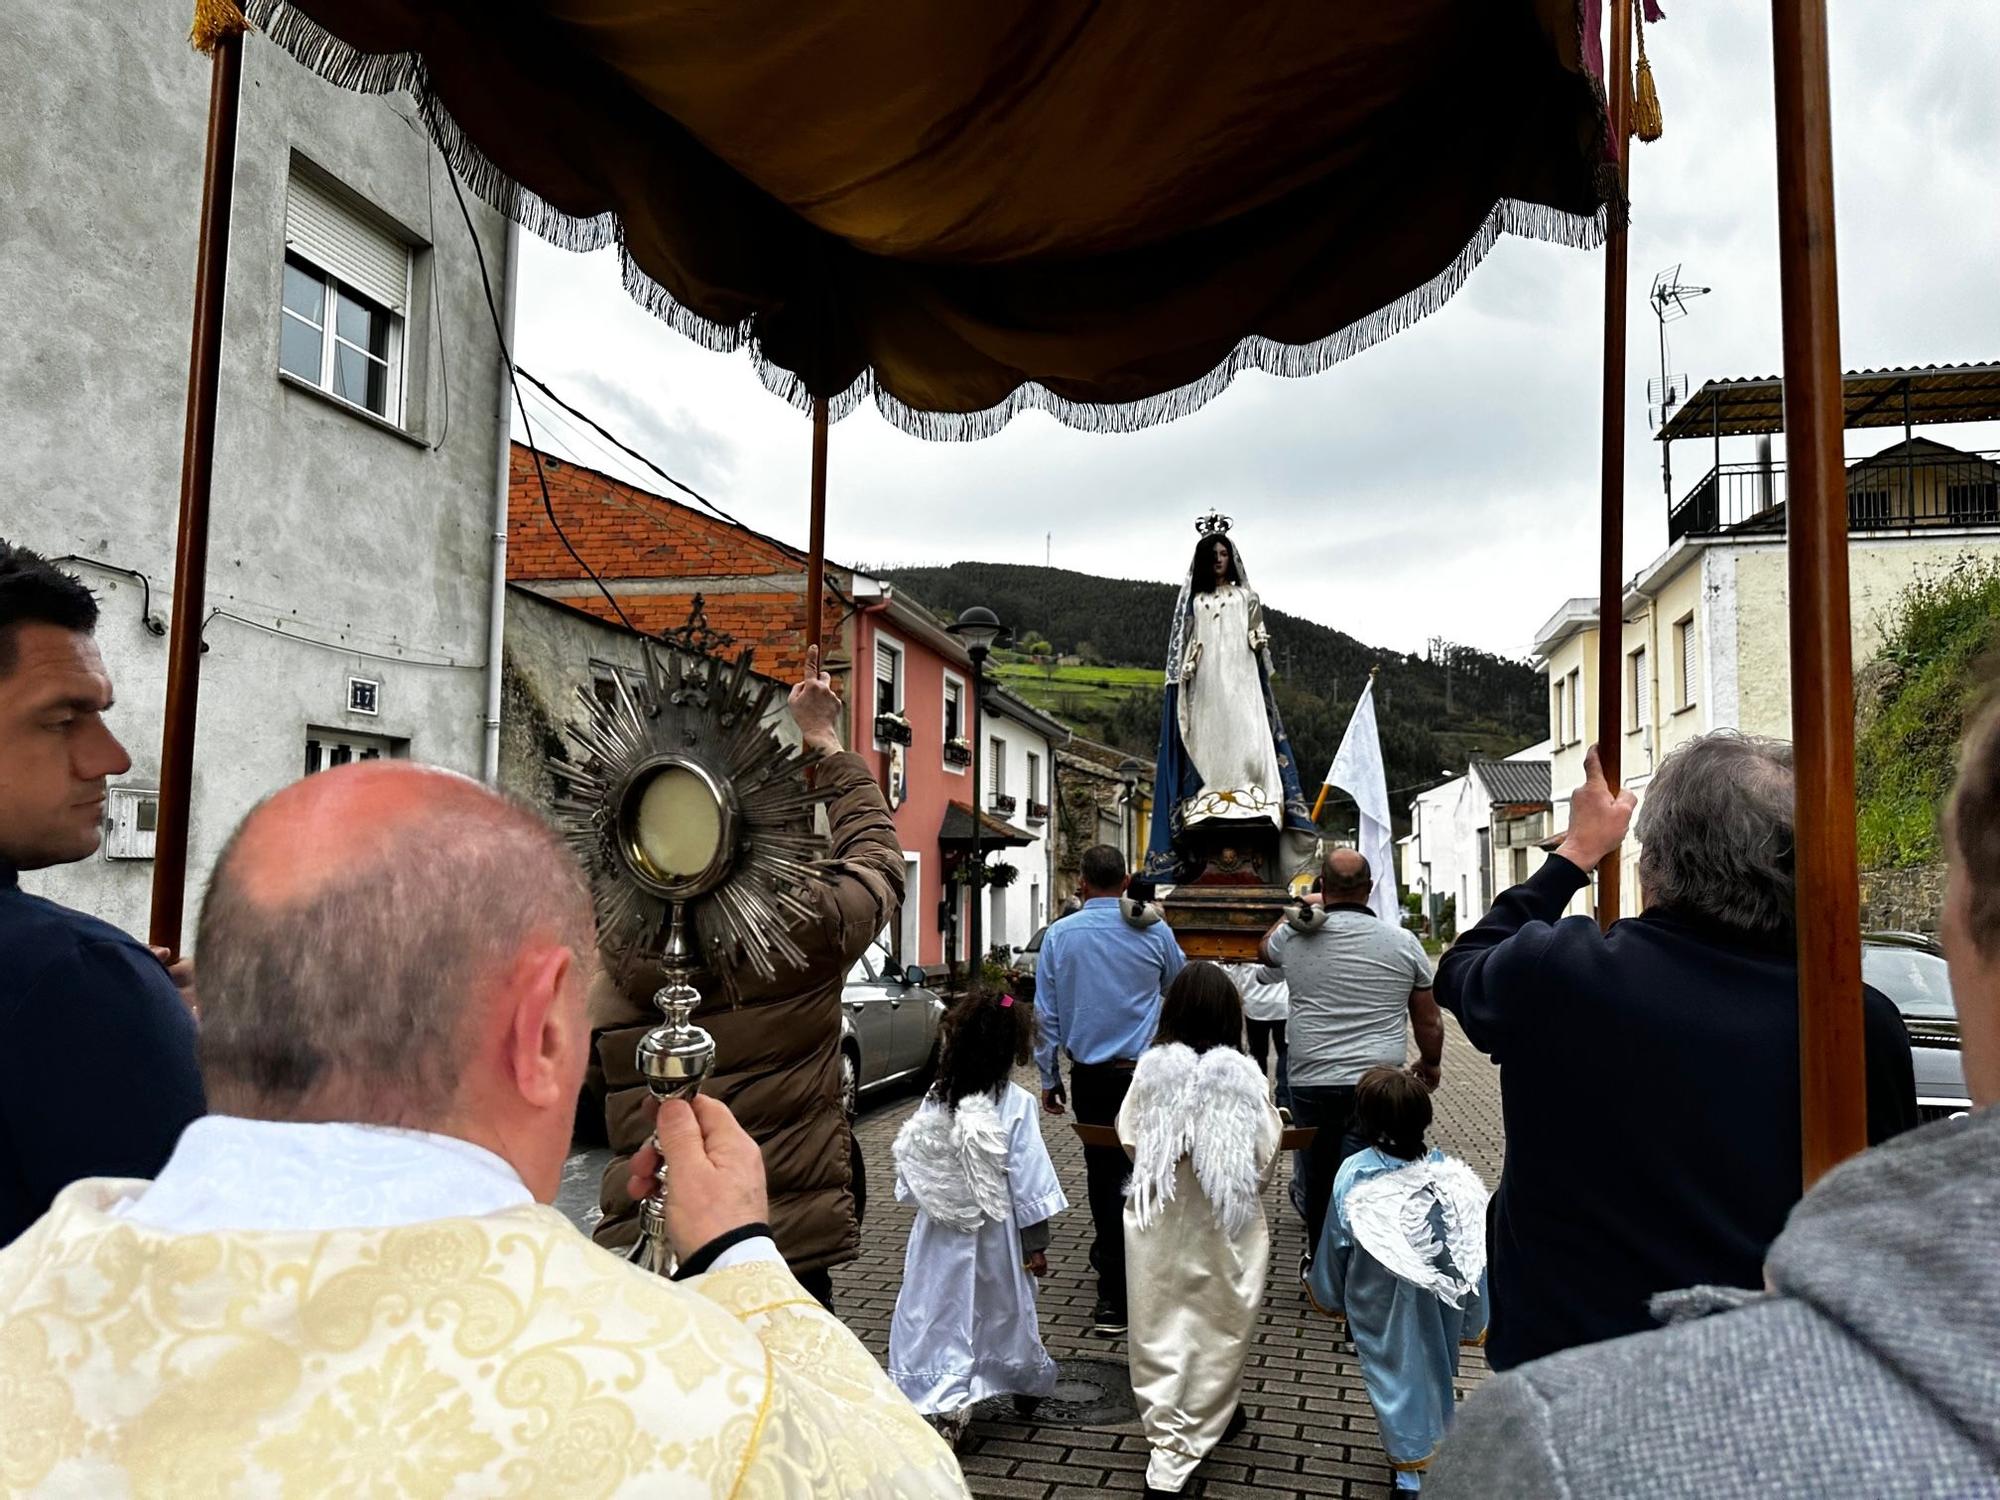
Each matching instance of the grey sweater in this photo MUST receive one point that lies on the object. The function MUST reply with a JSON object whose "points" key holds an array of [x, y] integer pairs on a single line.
{"points": [[1870, 1368]]}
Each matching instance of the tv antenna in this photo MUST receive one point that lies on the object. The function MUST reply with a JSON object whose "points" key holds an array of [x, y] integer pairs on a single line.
{"points": [[1670, 297]]}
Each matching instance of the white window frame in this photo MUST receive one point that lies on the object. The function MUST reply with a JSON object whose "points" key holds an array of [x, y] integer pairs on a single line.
{"points": [[1642, 696], [996, 767], [952, 681], [899, 683], [1684, 637], [1573, 702], [330, 343], [320, 742], [910, 929], [1034, 787]]}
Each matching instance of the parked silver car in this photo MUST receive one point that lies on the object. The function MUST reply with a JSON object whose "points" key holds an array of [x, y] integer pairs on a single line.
{"points": [[1910, 969], [888, 1025]]}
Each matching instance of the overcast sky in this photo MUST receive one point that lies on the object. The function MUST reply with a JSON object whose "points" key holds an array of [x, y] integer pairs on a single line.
{"points": [[1444, 482]]}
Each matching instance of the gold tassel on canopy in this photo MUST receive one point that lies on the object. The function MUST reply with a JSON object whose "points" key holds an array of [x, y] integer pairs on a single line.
{"points": [[1646, 121], [215, 21]]}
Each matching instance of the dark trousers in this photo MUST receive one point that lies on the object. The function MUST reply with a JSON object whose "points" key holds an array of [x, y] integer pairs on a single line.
{"points": [[1330, 1109], [1096, 1091], [819, 1285], [1263, 1034]]}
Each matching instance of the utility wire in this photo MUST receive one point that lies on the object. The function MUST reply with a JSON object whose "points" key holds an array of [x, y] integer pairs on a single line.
{"points": [[543, 389], [507, 359]]}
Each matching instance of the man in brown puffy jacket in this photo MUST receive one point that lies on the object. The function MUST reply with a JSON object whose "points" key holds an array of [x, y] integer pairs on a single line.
{"points": [[777, 1050]]}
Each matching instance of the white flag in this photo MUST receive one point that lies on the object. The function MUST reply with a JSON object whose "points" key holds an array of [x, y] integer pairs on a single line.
{"points": [[1357, 771]]}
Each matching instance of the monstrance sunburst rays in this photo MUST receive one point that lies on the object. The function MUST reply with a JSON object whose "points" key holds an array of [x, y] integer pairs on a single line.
{"points": [[710, 713]]}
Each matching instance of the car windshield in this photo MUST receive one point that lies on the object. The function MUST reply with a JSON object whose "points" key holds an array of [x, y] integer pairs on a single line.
{"points": [[1035, 943], [1917, 981]]}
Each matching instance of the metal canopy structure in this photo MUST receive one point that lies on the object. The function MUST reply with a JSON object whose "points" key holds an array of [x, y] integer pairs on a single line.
{"points": [[1443, 122], [956, 830], [1930, 395]]}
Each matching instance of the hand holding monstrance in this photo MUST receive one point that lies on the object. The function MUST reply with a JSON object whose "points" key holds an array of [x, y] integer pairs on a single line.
{"points": [[695, 824]]}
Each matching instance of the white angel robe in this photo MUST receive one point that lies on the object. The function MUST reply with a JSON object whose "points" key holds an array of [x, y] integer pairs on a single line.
{"points": [[965, 1325], [1204, 1139], [1223, 722]]}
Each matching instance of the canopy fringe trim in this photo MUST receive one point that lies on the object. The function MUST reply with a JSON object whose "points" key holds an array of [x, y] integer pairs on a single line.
{"points": [[341, 64]]}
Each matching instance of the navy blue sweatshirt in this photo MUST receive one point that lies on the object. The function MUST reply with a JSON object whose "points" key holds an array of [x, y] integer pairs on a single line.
{"points": [[97, 1063], [1649, 1081]]}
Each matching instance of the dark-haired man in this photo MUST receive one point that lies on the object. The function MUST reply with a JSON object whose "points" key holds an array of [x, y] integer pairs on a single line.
{"points": [[97, 1065], [1098, 984]]}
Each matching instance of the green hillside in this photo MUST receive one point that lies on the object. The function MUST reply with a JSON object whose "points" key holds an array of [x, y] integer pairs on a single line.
{"points": [[1118, 627]]}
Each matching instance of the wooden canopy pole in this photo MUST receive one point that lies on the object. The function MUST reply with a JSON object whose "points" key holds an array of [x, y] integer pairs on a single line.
{"points": [[197, 470], [1833, 1079], [1611, 522], [816, 546]]}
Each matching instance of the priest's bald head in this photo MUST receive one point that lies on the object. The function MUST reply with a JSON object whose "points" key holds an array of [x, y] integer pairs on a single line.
{"points": [[393, 944]]}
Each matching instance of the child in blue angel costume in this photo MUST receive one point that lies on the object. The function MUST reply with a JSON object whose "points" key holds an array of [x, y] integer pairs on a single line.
{"points": [[1403, 1257]]}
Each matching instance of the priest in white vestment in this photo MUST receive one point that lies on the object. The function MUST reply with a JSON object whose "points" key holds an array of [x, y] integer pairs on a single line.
{"points": [[347, 1281]]}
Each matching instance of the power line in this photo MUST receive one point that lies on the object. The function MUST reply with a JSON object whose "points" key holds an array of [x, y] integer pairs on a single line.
{"points": [[543, 390], [507, 359], [623, 447]]}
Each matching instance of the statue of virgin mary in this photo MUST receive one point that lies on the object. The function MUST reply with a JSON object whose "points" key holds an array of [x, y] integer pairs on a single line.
{"points": [[1224, 757]]}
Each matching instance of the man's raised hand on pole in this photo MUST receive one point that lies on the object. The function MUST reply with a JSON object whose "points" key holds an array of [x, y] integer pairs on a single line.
{"points": [[1598, 817], [816, 707]]}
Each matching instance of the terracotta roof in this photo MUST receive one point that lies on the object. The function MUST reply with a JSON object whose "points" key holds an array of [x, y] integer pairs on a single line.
{"points": [[631, 536]]}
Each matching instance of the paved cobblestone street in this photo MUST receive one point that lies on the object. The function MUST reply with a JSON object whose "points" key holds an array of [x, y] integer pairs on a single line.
{"points": [[1311, 1429]]}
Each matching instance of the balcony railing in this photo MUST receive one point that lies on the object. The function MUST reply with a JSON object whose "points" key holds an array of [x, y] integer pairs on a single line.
{"points": [[1890, 492]]}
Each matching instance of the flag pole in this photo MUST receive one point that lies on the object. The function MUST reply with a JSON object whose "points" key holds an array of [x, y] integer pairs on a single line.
{"points": [[1325, 787]]}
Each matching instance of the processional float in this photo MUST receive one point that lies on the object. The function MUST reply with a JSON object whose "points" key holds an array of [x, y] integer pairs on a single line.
{"points": [[696, 826], [974, 237]]}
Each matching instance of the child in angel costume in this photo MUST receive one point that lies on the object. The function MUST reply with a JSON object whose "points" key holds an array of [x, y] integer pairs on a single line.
{"points": [[1203, 1137], [1403, 1257], [973, 1162]]}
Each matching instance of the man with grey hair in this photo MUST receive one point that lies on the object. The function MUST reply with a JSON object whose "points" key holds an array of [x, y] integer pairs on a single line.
{"points": [[1865, 1365], [1649, 1077], [347, 1280]]}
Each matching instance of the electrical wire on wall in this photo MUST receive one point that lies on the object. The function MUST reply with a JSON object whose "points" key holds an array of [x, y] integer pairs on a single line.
{"points": [[507, 359], [341, 647]]}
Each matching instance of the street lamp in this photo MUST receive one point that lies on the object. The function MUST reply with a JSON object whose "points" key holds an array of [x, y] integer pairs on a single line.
{"points": [[978, 627]]}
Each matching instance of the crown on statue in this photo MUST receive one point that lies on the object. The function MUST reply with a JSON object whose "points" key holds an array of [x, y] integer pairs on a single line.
{"points": [[1215, 523]]}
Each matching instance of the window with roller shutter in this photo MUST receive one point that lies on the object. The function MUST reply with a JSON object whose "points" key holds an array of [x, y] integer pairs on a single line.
{"points": [[1684, 638], [345, 297]]}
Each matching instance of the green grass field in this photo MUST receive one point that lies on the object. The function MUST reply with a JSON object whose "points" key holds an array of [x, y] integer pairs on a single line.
{"points": [[1090, 691]]}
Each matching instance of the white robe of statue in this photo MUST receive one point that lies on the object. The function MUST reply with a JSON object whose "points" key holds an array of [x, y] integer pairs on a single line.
{"points": [[1223, 723], [1204, 1139]]}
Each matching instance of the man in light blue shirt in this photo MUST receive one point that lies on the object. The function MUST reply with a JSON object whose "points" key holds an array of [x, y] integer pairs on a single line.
{"points": [[1098, 984]]}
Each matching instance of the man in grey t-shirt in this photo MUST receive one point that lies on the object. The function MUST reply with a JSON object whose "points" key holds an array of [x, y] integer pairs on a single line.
{"points": [[1358, 986]]}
